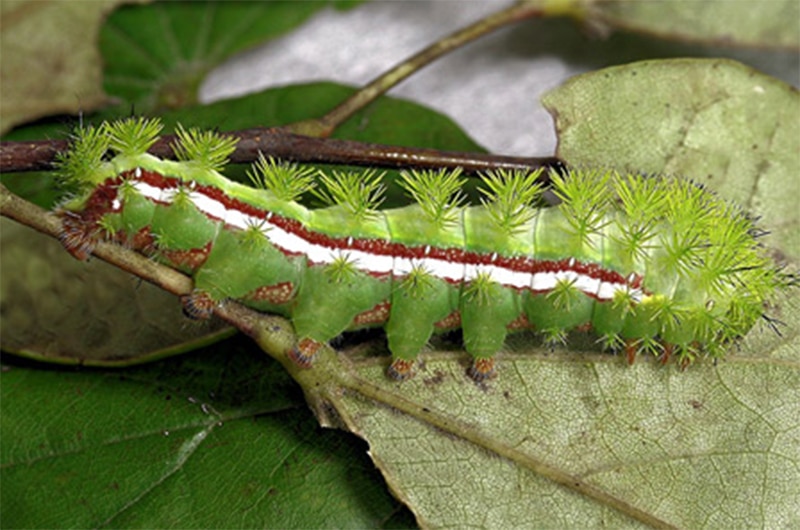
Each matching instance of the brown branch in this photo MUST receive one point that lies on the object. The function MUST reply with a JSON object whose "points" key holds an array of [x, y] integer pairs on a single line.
{"points": [[39, 155]]}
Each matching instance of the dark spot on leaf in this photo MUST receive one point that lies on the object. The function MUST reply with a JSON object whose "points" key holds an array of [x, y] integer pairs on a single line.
{"points": [[437, 379]]}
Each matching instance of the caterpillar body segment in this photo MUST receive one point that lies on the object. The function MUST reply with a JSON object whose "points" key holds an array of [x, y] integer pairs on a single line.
{"points": [[651, 265]]}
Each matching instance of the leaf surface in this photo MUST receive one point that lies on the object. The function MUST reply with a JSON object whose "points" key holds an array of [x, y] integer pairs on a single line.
{"points": [[760, 23], [61, 310], [157, 56], [217, 440], [50, 59]]}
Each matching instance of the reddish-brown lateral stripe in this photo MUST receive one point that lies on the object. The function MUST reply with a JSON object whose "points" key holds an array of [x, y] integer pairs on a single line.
{"points": [[192, 259], [451, 321], [277, 294], [377, 315]]}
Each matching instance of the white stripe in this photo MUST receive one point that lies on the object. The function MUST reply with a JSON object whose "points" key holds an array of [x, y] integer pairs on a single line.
{"points": [[147, 191], [377, 264], [209, 206], [512, 278], [503, 276], [240, 220], [543, 281], [402, 266], [284, 240], [606, 290], [445, 270], [321, 255], [167, 195], [587, 284]]}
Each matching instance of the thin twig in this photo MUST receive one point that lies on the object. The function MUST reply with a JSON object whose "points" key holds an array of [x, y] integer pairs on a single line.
{"points": [[324, 127]]}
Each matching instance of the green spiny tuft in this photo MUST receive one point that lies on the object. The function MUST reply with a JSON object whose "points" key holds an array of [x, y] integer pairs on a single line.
{"points": [[479, 290], [611, 341], [341, 270], [730, 253], [77, 166], [253, 237], [554, 337], [690, 213], [624, 301], [585, 196], [205, 149], [642, 201], [437, 192], [132, 136], [107, 226], [510, 197], [565, 295], [182, 198], [287, 182], [650, 346], [360, 193], [417, 282]]}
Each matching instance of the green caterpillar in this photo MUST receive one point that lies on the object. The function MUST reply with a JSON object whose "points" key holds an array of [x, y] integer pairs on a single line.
{"points": [[650, 264]]}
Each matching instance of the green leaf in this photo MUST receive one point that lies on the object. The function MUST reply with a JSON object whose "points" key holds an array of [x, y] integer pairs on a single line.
{"points": [[770, 23], [217, 440], [674, 448], [156, 56], [715, 121]]}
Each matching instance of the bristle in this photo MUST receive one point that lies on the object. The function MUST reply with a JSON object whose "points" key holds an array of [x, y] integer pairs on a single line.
{"points": [[206, 149], [132, 136], [510, 197], [287, 182], [585, 196], [437, 192], [360, 193], [76, 167]]}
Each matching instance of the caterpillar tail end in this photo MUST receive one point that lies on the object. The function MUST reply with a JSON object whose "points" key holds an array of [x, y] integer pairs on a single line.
{"points": [[401, 369], [482, 369], [76, 237], [303, 353], [198, 305]]}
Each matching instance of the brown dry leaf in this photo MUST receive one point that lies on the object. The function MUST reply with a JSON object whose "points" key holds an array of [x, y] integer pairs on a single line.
{"points": [[50, 59]]}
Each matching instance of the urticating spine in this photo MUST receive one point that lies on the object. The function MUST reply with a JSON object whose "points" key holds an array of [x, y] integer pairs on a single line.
{"points": [[650, 264]]}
